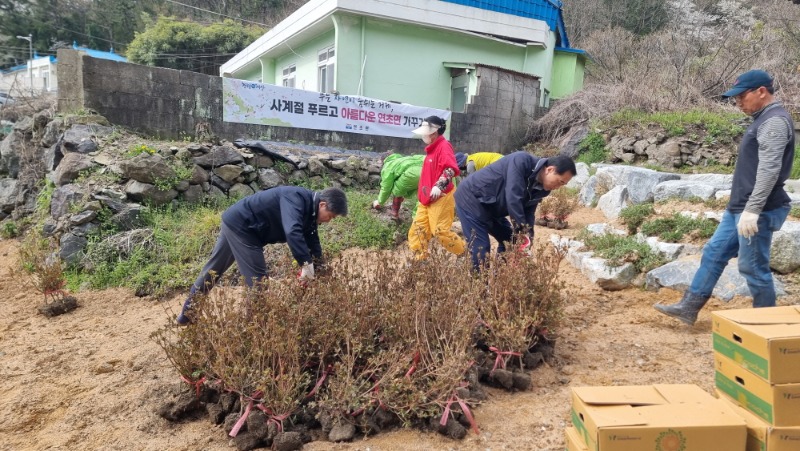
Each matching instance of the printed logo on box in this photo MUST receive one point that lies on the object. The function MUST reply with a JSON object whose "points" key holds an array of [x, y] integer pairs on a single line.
{"points": [[671, 440]]}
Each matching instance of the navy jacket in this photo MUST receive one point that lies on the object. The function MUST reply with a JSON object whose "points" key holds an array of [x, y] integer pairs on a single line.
{"points": [[284, 214], [507, 187]]}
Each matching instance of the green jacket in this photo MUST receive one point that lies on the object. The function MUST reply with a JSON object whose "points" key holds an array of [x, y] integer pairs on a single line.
{"points": [[400, 176]]}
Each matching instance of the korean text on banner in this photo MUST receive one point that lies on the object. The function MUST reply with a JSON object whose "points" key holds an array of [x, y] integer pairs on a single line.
{"points": [[258, 103]]}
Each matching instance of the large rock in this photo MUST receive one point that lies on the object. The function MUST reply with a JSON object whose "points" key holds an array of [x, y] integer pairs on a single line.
{"points": [[51, 132], [682, 189], [8, 194], [607, 277], [71, 167], [718, 181], [194, 194], [785, 248], [612, 202], [269, 178], [10, 149], [199, 175], [641, 182], [228, 172], [678, 276], [147, 168], [239, 191], [581, 176], [128, 217], [64, 197], [80, 138], [667, 154], [219, 156], [72, 248], [145, 192], [588, 194], [570, 143]]}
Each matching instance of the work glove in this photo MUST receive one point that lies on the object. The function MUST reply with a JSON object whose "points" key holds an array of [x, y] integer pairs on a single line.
{"points": [[524, 243], [748, 224], [435, 192], [307, 272], [376, 205]]}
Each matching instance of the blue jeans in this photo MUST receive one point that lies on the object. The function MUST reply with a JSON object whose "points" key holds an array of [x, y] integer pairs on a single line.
{"points": [[753, 252], [477, 230]]}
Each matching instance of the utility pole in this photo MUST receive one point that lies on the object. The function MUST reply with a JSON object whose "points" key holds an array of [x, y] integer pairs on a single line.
{"points": [[29, 38]]}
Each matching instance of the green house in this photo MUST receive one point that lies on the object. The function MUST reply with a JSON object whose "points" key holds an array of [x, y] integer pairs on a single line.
{"points": [[494, 63]]}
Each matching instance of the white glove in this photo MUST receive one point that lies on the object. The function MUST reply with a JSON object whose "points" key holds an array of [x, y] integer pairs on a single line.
{"points": [[748, 224], [435, 192], [376, 205], [307, 273]]}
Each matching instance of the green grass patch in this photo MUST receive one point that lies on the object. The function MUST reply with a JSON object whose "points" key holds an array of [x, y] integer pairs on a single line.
{"points": [[718, 127], [635, 215], [183, 237], [676, 227], [618, 250], [361, 228], [795, 174], [592, 149]]}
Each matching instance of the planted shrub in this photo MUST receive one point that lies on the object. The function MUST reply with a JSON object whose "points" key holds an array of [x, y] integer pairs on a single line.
{"points": [[556, 208], [39, 261], [679, 228], [635, 215]]}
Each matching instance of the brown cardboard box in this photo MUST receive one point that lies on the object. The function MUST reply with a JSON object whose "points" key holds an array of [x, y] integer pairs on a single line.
{"points": [[777, 404], [574, 440], [765, 437], [765, 341], [655, 417]]}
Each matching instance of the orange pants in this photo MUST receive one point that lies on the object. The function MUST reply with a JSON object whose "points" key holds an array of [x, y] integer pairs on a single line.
{"points": [[435, 220]]}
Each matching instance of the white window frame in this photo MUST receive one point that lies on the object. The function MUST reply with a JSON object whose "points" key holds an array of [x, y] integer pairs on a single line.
{"points": [[326, 67], [289, 76]]}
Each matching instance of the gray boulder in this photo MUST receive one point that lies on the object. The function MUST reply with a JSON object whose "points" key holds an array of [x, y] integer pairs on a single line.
{"points": [[679, 273], [145, 192], [71, 167], [612, 202], [641, 182], [72, 248], [10, 149], [581, 176], [719, 181], [194, 194], [147, 168], [607, 277], [682, 189], [51, 132], [219, 156], [240, 190], [588, 194], [77, 137], [785, 248], [228, 172], [269, 178], [570, 143], [199, 175], [8, 194], [63, 198]]}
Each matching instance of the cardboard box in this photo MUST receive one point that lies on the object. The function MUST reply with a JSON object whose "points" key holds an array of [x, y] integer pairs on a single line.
{"points": [[574, 441], [765, 341], [655, 417], [777, 404], [765, 437]]}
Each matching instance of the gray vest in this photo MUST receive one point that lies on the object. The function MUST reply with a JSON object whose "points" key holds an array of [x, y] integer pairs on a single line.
{"points": [[744, 176]]}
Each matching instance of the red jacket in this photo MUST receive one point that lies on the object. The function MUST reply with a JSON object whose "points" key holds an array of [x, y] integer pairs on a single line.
{"points": [[439, 156]]}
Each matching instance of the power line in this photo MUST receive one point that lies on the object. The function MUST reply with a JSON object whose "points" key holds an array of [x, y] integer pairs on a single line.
{"points": [[219, 14]]}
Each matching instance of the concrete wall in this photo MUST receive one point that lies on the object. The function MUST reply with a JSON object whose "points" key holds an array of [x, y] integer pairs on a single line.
{"points": [[170, 104], [497, 117]]}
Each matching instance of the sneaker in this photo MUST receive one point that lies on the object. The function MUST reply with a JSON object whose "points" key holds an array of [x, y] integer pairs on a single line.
{"points": [[183, 320]]}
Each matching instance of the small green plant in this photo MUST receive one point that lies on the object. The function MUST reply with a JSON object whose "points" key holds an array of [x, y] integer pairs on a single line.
{"points": [[678, 227], [44, 197], [9, 229], [795, 212], [283, 167], [592, 149], [795, 174], [618, 250], [140, 149], [635, 215]]}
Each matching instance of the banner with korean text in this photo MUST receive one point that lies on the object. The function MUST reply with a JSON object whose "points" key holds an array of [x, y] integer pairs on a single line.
{"points": [[258, 103]]}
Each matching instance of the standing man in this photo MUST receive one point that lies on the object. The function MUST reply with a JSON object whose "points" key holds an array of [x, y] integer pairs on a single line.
{"points": [[399, 178], [284, 214], [512, 186], [758, 205], [436, 208]]}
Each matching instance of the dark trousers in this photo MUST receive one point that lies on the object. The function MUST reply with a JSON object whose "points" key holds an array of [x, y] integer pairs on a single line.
{"points": [[477, 228], [230, 248]]}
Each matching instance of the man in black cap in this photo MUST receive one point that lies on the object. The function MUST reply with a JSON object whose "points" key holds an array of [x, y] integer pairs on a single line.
{"points": [[758, 205]]}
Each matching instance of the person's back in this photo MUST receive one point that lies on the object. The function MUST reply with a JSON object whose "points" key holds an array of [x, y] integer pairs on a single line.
{"points": [[405, 171], [480, 160], [260, 217]]}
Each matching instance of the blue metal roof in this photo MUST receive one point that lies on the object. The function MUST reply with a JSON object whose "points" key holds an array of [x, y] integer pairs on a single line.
{"points": [[549, 11], [100, 54]]}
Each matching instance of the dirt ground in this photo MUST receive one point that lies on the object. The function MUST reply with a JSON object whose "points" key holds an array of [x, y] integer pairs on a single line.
{"points": [[92, 379]]}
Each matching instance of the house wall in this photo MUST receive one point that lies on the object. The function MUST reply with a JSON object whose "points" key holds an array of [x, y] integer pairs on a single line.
{"points": [[567, 74], [497, 117], [305, 59], [170, 104], [19, 80]]}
